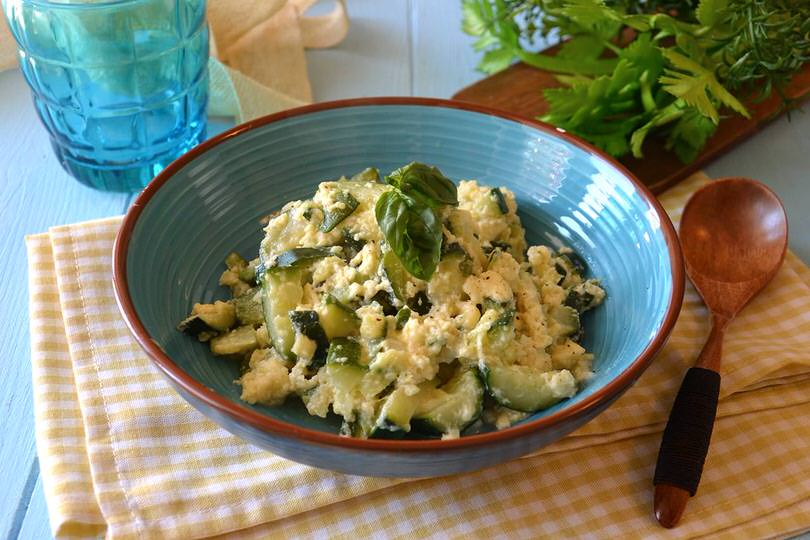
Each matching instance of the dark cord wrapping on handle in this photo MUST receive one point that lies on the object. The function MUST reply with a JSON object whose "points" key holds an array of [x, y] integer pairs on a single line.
{"points": [[686, 438]]}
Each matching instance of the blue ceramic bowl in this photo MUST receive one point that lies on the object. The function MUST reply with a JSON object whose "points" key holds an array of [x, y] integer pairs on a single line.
{"points": [[170, 250]]}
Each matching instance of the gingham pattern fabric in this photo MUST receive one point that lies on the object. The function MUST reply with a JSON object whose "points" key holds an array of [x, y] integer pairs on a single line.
{"points": [[123, 456]]}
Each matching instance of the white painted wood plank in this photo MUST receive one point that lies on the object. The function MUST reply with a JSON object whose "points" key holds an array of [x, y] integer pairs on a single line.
{"points": [[372, 60], [36, 194], [35, 525], [443, 58]]}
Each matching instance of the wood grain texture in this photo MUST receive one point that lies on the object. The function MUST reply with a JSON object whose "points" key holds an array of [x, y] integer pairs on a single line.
{"points": [[36, 194], [734, 236], [669, 504], [518, 89]]}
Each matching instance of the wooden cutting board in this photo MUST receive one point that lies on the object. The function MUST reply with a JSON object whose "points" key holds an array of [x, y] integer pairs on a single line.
{"points": [[518, 90]]}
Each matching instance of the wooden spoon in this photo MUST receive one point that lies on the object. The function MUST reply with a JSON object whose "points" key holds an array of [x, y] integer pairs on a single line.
{"points": [[734, 236]]}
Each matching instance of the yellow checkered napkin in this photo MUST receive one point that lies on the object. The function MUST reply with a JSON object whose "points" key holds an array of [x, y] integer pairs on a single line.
{"points": [[123, 456]]}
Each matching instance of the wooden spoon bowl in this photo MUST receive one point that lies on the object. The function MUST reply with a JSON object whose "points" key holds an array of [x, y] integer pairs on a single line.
{"points": [[734, 236]]}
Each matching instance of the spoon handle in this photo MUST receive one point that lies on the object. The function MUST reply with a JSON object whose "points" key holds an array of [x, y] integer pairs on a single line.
{"points": [[689, 429], [685, 444]]}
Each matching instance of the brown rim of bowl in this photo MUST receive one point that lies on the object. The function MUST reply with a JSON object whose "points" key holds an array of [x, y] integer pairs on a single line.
{"points": [[268, 424]]}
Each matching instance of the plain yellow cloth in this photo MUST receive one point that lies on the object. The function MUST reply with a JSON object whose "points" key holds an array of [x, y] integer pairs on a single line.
{"points": [[257, 65], [123, 455]]}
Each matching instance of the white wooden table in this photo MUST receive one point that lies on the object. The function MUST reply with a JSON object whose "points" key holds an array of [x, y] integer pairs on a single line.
{"points": [[395, 47]]}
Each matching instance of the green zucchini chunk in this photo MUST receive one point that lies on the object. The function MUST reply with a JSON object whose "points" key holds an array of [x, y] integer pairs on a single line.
{"points": [[526, 390], [500, 200], [333, 218], [308, 323], [453, 406]]}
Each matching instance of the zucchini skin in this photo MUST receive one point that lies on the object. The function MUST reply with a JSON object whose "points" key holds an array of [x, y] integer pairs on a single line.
{"points": [[296, 257], [333, 218], [500, 200], [343, 350], [518, 388], [308, 324]]}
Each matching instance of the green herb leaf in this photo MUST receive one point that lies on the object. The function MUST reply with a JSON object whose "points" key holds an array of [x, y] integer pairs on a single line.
{"points": [[716, 53], [689, 135], [496, 60], [709, 12], [412, 230], [473, 20], [425, 183], [582, 47], [662, 117], [695, 86]]}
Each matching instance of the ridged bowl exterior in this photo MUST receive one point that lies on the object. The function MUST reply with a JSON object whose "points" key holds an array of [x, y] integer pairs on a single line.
{"points": [[171, 250]]}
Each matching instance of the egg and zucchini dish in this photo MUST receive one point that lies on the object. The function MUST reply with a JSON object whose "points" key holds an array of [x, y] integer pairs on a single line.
{"points": [[404, 304]]}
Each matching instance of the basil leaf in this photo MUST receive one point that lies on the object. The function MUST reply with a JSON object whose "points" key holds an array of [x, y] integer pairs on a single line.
{"points": [[412, 231], [425, 183]]}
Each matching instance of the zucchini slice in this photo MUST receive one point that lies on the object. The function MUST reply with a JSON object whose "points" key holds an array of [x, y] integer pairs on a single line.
{"points": [[567, 319], [219, 317], [193, 325], [248, 273], [337, 319], [574, 259], [524, 389], [453, 406], [248, 307], [386, 302], [239, 341], [345, 376], [371, 174], [235, 261], [402, 317], [395, 412], [420, 303], [295, 257], [281, 293], [308, 323], [351, 244], [502, 330], [333, 218], [457, 261], [579, 300], [500, 200], [343, 351]]}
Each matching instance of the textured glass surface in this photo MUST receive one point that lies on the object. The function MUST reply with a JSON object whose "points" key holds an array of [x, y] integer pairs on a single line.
{"points": [[121, 86]]}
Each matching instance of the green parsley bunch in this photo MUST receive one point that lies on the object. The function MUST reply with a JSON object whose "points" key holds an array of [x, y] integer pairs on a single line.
{"points": [[630, 68]]}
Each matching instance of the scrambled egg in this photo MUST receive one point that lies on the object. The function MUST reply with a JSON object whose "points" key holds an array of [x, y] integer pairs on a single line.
{"points": [[353, 332]]}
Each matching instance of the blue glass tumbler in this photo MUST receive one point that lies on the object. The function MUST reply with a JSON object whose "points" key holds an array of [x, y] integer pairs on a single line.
{"points": [[120, 85]]}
